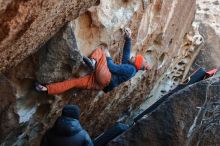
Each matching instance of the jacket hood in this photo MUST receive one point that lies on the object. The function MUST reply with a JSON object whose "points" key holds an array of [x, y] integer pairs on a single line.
{"points": [[72, 111], [66, 126]]}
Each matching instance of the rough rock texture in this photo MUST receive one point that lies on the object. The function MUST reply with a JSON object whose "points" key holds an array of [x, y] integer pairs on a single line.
{"points": [[159, 32], [25, 25], [59, 58], [37, 111], [176, 72], [208, 20], [190, 117], [8, 116]]}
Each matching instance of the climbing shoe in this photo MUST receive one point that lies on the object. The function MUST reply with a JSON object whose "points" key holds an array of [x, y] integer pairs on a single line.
{"points": [[40, 88], [91, 63]]}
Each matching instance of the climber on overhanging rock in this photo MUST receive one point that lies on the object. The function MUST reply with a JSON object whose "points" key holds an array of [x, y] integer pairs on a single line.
{"points": [[67, 130], [106, 74]]}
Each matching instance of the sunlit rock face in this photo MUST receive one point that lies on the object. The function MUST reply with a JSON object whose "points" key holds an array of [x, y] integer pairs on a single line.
{"points": [[105, 23], [26, 25], [161, 31], [189, 117]]}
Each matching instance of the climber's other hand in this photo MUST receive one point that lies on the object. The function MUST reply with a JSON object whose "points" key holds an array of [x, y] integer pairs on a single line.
{"points": [[127, 31]]}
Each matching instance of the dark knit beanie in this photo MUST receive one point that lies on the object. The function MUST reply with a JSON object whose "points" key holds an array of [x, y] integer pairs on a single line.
{"points": [[72, 111]]}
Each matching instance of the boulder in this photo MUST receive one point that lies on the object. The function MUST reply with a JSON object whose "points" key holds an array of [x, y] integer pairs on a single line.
{"points": [[59, 58], [27, 25], [189, 117]]}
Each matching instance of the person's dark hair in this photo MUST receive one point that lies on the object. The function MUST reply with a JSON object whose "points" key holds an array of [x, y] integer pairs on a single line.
{"points": [[72, 111]]}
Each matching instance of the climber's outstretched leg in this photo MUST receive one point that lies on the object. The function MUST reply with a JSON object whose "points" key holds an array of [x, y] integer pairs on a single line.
{"points": [[97, 80]]}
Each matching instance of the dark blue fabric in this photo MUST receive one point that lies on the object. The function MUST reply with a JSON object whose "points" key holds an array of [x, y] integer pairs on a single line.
{"points": [[126, 51], [110, 134], [121, 72], [66, 132], [72, 111]]}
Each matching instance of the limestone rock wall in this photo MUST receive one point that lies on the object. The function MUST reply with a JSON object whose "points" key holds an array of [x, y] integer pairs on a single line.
{"points": [[178, 70], [190, 116], [158, 31]]}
